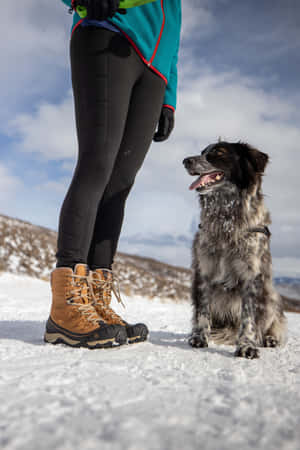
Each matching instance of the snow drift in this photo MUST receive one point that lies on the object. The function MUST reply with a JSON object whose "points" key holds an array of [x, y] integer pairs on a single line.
{"points": [[161, 394]]}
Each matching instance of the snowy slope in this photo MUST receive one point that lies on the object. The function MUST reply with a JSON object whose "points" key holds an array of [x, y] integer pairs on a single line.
{"points": [[29, 249], [155, 395]]}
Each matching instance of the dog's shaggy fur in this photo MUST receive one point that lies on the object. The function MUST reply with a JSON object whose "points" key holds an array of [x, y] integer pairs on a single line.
{"points": [[232, 292]]}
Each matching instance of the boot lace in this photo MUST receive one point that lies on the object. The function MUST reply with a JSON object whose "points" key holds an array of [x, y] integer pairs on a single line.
{"points": [[103, 305], [84, 302]]}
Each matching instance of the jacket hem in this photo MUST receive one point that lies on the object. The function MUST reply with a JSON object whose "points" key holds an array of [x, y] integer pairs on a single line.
{"points": [[138, 51]]}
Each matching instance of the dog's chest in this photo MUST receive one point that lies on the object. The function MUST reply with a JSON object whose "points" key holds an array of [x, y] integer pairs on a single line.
{"points": [[213, 261], [227, 261]]}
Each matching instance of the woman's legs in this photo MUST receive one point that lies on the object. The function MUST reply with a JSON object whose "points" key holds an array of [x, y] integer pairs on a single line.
{"points": [[104, 71], [143, 115]]}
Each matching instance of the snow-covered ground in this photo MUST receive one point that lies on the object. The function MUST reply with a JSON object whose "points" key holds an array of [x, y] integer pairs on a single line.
{"points": [[155, 395]]}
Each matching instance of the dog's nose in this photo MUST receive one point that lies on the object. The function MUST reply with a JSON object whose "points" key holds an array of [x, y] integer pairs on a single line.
{"points": [[187, 162]]}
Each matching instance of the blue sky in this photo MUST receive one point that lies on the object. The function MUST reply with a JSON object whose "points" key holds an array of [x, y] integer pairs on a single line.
{"points": [[239, 70]]}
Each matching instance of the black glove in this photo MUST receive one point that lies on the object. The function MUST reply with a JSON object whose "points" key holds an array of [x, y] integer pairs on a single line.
{"points": [[99, 9], [165, 124]]}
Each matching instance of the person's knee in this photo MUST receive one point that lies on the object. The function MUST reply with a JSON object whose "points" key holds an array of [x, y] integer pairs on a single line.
{"points": [[95, 166], [117, 193], [121, 185]]}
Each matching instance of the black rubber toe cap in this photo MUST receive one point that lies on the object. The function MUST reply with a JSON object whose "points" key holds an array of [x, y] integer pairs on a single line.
{"points": [[112, 331], [139, 330]]}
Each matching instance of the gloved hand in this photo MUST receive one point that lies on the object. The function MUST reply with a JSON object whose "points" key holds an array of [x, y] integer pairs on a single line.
{"points": [[99, 9], [165, 124]]}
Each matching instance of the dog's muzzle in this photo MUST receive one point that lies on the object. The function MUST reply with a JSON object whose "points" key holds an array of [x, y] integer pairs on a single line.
{"points": [[208, 174]]}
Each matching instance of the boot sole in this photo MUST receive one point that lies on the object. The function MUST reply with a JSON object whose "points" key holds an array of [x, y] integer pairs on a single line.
{"points": [[135, 339], [58, 338]]}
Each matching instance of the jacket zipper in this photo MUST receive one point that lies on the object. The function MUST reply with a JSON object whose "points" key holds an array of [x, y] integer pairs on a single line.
{"points": [[160, 34]]}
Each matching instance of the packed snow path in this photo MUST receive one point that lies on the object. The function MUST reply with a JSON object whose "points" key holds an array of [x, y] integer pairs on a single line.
{"points": [[155, 395]]}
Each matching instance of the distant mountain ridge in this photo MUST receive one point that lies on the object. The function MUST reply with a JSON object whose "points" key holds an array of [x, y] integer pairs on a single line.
{"points": [[30, 249], [158, 239], [287, 280]]}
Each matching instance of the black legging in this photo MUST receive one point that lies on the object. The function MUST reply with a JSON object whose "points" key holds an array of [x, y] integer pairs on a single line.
{"points": [[118, 101]]}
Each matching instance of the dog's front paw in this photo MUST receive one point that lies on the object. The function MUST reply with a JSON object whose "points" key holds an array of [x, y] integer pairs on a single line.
{"points": [[247, 350], [270, 341], [198, 340]]}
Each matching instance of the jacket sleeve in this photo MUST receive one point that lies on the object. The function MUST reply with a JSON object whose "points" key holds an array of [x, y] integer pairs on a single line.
{"points": [[67, 2], [170, 98]]}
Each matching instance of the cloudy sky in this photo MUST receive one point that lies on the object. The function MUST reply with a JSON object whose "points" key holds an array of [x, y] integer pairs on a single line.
{"points": [[239, 72]]}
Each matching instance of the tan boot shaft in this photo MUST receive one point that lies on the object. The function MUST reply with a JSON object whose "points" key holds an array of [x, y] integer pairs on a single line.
{"points": [[72, 300]]}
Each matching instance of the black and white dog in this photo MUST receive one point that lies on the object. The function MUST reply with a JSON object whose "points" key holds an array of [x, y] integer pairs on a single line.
{"points": [[232, 292]]}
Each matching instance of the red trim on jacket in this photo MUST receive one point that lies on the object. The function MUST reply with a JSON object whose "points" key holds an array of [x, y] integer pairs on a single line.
{"points": [[158, 73], [77, 24], [169, 106], [148, 63], [160, 33]]}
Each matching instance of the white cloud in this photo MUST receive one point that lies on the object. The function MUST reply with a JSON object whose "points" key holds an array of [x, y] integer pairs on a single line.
{"points": [[34, 47], [39, 204], [68, 165], [286, 266], [55, 187], [9, 186], [197, 20], [49, 132], [157, 210], [8, 182], [179, 256]]}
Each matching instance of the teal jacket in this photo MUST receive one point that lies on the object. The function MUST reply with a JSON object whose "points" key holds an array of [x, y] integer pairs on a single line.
{"points": [[154, 31]]}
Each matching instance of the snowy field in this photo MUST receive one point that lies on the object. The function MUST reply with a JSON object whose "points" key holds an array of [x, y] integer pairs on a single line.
{"points": [[155, 395]]}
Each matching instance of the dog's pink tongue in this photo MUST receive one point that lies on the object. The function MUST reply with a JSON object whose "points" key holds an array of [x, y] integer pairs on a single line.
{"points": [[200, 180]]}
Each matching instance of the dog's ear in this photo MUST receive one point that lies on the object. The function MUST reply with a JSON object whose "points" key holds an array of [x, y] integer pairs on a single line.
{"points": [[257, 159]]}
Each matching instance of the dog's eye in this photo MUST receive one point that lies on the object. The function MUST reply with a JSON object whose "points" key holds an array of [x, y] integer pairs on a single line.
{"points": [[221, 151]]}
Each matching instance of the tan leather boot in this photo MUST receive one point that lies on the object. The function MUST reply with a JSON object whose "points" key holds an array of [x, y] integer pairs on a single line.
{"points": [[103, 283], [73, 319]]}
